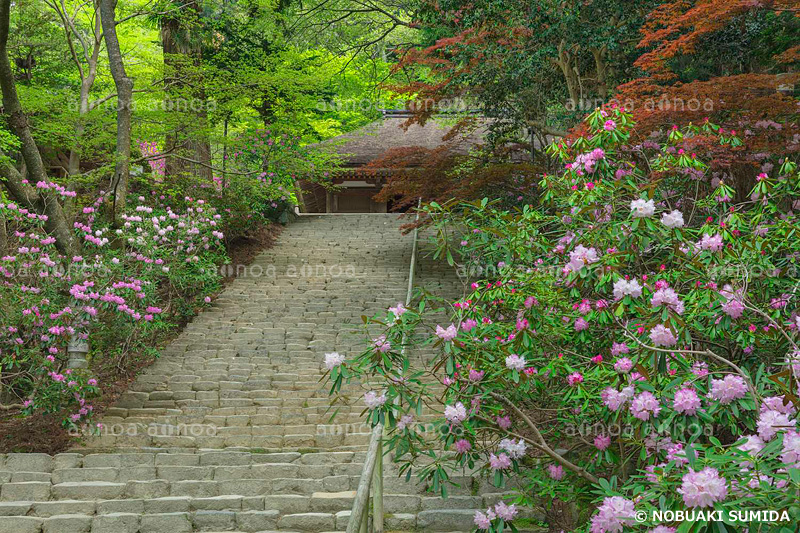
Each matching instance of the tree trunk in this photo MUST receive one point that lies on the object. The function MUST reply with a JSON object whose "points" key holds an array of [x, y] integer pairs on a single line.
{"points": [[124, 85], [3, 236], [185, 99], [74, 165], [601, 68], [41, 201], [568, 68], [175, 142]]}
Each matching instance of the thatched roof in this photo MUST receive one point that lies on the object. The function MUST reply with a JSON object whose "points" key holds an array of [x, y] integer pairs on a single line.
{"points": [[367, 144]]}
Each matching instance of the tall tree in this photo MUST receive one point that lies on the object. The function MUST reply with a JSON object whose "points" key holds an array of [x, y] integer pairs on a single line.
{"points": [[124, 85], [182, 33], [41, 200], [84, 50]]}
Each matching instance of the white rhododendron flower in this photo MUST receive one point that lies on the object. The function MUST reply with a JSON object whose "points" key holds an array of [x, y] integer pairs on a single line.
{"points": [[333, 359], [642, 208], [673, 219]]}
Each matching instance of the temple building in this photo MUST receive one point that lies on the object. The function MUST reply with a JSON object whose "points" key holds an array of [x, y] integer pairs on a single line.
{"points": [[357, 183]]}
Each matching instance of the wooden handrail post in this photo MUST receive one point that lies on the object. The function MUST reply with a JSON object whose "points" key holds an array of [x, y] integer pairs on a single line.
{"points": [[359, 516], [372, 476], [377, 493], [365, 518]]}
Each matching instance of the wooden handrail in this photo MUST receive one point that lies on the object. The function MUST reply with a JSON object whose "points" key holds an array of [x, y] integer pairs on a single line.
{"points": [[360, 513], [372, 475]]}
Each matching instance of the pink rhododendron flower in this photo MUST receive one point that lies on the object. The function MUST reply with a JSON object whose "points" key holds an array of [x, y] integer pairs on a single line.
{"points": [[753, 445], [669, 298], [619, 348], [505, 512], [333, 359], [499, 462], [476, 375], [672, 220], [555, 471], [676, 453], [728, 389], [686, 401], [733, 306], [399, 310], [405, 422], [580, 257], [771, 422], [613, 516], [575, 378], [463, 446], [700, 369], [704, 488], [468, 324], [623, 365], [614, 399], [791, 449], [644, 405], [581, 324], [515, 362], [381, 344], [624, 287], [778, 403], [482, 521], [515, 448], [662, 336], [504, 422], [662, 529], [446, 334], [713, 244], [601, 442], [586, 162], [373, 400]]}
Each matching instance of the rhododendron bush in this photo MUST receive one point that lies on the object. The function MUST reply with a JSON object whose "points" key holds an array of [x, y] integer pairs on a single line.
{"points": [[629, 345], [127, 285]]}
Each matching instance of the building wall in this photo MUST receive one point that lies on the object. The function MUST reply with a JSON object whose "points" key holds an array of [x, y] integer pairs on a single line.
{"points": [[347, 200]]}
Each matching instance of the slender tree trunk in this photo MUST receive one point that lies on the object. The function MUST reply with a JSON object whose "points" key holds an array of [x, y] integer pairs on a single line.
{"points": [[124, 85], [601, 67], [87, 75], [42, 201], [74, 165], [3, 236]]}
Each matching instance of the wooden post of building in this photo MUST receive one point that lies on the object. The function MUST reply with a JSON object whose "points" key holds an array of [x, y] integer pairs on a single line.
{"points": [[328, 202]]}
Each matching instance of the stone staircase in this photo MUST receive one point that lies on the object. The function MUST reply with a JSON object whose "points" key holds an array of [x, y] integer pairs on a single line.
{"points": [[231, 430]]}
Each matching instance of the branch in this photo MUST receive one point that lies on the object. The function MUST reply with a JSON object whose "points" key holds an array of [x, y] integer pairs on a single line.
{"points": [[708, 353], [547, 130], [542, 445]]}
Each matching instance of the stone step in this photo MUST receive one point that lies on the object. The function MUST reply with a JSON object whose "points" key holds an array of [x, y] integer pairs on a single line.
{"points": [[211, 516], [143, 482]]}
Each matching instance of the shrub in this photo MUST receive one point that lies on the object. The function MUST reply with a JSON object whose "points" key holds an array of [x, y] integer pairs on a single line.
{"points": [[632, 341], [128, 286]]}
